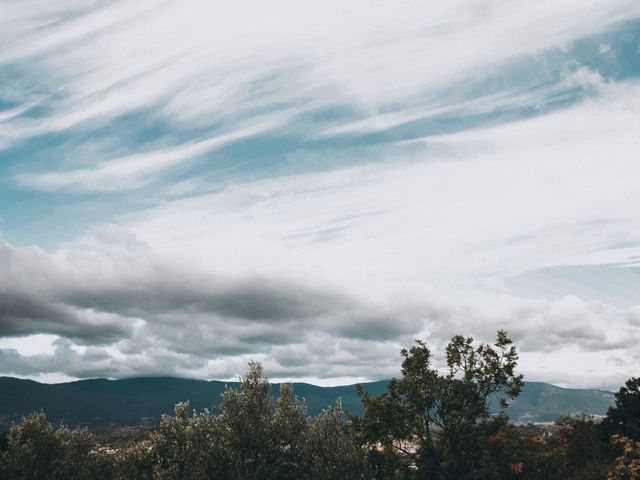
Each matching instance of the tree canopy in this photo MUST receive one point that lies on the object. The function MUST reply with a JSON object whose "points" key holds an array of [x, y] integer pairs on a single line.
{"points": [[430, 418], [624, 417], [430, 423]]}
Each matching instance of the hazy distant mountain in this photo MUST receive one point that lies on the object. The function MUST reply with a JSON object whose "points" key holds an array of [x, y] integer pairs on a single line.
{"points": [[130, 401], [542, 402]]}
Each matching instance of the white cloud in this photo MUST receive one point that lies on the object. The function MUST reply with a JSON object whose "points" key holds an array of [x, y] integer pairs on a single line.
{"points": [[361, 260], [584, 77], [203, 60], [555, 190], [320, 275], [133, 171]]}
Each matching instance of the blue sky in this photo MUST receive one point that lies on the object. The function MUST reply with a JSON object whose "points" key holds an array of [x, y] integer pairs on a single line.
{"points": [[188, 185]]}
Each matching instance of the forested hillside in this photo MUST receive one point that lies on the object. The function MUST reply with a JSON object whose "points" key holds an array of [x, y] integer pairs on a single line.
{"points": [[127, 402]]}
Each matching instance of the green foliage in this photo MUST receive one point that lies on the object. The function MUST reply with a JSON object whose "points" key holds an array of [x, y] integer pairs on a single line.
{"points": [[627, 464], [586, 451], [289, 424], [624, 417], [250, 437], [429, 420], [135, 462], [506, 452], [429, 424], [332, 450], [572, 449], [247, 415], [36, 450], [278, 441], [185, 447]]}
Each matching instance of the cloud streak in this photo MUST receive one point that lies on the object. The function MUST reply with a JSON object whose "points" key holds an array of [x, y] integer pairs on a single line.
{"points": [[202, 64], [133, 171]]}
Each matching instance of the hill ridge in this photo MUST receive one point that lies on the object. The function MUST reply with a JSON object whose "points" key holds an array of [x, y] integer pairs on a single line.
{"points": [[128, 400]]}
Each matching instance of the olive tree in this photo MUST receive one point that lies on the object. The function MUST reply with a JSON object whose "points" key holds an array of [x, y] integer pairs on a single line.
{"points": [[36, 450], [333, 452], [264, 437]]}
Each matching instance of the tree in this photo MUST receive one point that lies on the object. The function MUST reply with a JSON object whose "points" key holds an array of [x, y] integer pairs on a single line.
{"points": [[264, 438], [624, 417], [509, 452], [429, 420], [189, 447], [627, 465], [251, 436], [135, 461], [587, 453], [290, 424], [332, 450], [36, 450], [247, 414]]}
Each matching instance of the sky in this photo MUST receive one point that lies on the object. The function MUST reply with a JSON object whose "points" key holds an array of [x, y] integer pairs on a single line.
{"points": [[189, 185]]}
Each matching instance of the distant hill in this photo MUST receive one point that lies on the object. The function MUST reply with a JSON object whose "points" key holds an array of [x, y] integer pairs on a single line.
{"points": [[542, 402], [136, 400]]}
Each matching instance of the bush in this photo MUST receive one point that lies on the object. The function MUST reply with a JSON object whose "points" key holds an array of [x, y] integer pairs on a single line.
{"points": [[36, 450]]}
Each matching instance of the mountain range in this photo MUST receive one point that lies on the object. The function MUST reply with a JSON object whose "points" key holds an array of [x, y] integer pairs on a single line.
{"points": [[135, 400]]}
